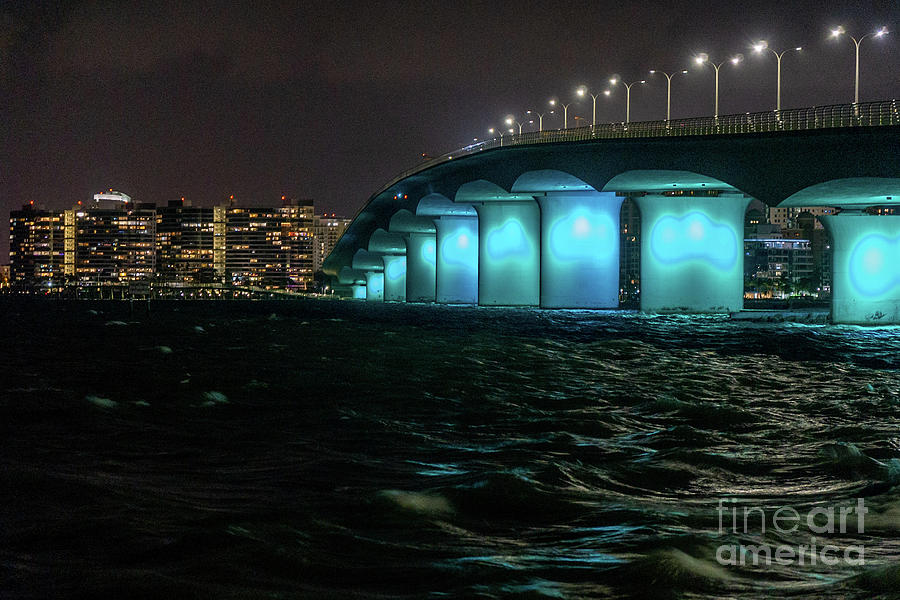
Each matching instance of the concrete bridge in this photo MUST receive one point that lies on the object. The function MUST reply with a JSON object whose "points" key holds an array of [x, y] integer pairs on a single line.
{"points": [[534, 219]]}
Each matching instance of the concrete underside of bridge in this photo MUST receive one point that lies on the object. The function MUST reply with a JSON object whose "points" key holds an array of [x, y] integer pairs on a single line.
{"points": [[546, 230]]}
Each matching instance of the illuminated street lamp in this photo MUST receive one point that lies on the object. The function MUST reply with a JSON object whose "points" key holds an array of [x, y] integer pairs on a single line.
{"points": [[540, 118], [761, 45], [565, 112], [616, 81], [837, 32], [704, 58], [492, 131], [511, 119], [582, 91], [668, 88]]}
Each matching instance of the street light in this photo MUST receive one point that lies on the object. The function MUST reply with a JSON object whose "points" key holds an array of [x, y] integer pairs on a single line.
{"points": [[704, 58], [668, 88], [761, 45], [492, 131], [540, 118], [616, 81], [581, 92], [837, 32], [565, 112]]}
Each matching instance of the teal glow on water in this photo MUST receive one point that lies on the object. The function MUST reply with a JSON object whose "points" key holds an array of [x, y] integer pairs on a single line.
{"points": [[282, 449]]}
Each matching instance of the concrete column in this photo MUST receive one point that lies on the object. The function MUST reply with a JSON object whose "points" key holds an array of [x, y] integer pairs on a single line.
{"points": [[692, 253], [580, 249], [374, 286], [509, 264], [394, 278], [358, 291], [456, 276], [421, 263], [866, 268]]}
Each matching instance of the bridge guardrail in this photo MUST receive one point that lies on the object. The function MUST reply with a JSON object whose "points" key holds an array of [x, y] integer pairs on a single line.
{"points": [[864, 114]]}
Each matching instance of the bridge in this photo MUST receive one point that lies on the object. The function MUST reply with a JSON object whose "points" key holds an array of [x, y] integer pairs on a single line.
{"points": [[534, 219]]}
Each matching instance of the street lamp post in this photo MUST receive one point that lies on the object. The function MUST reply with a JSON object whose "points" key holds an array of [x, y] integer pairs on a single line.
{"points": [[704, 58], [837, 32], [540, 118], [764, 45], [668, 89], [565, 112], [581, 92], [500, 131], [510, 120], [615, 81]]}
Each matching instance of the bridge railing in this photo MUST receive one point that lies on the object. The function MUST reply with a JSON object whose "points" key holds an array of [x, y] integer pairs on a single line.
{"points": [[866, 114]]}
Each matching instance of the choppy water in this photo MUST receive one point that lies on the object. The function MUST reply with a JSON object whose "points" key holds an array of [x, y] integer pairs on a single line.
{"points": [[329, 449]]}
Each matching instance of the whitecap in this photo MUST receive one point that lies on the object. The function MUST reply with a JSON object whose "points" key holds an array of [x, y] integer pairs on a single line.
{"points": [[101, 402]]}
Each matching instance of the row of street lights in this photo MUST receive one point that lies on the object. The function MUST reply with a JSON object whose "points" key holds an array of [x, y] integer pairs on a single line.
{"points": [[701, 59]]}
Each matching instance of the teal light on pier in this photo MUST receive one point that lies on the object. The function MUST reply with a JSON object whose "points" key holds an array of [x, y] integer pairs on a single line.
{"points": [[421, 262], [509, 257], [395, 278], [580, 250], [694, 237], [866, 268], [374, 286], [456, 280], [692, 253]]}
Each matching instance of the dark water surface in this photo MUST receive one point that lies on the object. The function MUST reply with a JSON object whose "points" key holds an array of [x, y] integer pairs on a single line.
{"points": [[330, 449]]}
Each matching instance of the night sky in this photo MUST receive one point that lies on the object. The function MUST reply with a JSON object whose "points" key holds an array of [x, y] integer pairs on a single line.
{"points": [[329, 100]]}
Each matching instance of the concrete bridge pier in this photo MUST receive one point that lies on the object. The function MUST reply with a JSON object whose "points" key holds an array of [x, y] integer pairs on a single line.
{"points": [[866, 268], [394, 278], [371, 265], [456, 276], [580, 249], [421, 254], [509, 262], [374, 286], [692, 251], [421, 264]]}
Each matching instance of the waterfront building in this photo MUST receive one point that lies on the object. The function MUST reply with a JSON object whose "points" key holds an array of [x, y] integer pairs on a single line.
{"points": [[36, 248], [190, 244], [4, 276], [114, 241], [328, 229], [271, 247]]}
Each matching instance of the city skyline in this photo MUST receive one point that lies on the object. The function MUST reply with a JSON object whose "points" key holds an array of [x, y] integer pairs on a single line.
{"points": [[172, 101]]}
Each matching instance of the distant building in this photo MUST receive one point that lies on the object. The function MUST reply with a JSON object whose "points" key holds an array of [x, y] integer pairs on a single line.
{"points": [[786, 218], [114, 241], [328, 229], [36, 248], [776, 267], [4, 276], [190, 244], [271, 247], [630, 252]]}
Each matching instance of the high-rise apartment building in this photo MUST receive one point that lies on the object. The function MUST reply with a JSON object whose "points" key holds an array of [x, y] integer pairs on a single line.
{"points": [[114, 241], [37, 247], [327, 229], [271, 247], [190, 244]]}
